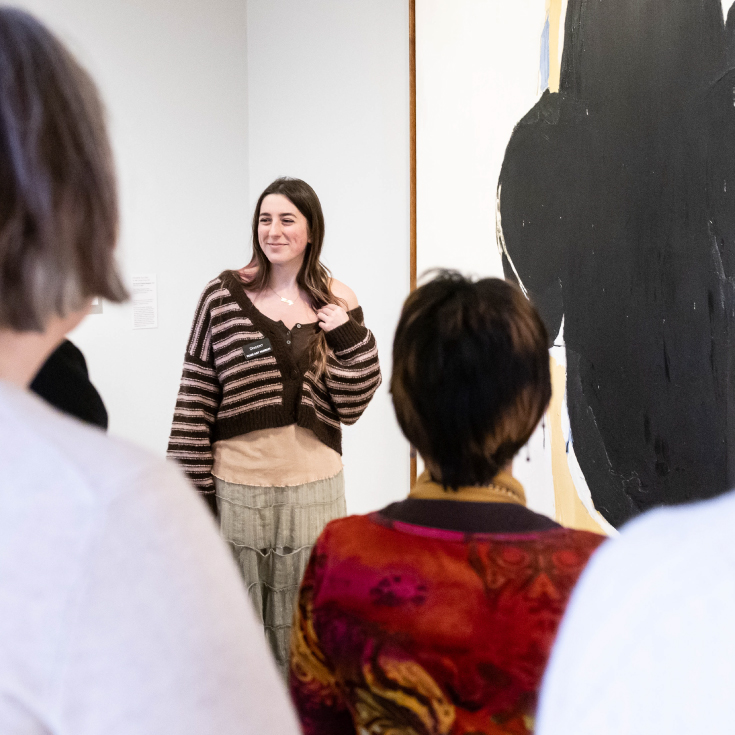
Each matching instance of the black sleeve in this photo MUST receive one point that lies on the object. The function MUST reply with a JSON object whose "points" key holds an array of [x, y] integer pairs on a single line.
{"points": [[63, 381]]}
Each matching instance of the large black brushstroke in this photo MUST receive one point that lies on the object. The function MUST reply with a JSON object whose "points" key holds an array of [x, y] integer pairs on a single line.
{"points": [[617, 203]]}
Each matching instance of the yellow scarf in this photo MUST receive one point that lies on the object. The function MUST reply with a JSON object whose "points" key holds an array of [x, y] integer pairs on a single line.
{"points": [[504, 489]]}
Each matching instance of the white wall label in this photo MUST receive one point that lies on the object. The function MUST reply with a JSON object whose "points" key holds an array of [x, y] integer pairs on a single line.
{"points": [[145, 301]]}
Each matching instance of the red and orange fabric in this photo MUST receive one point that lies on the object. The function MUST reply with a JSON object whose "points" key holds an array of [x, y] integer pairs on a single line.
{"points": [[408, 629]]}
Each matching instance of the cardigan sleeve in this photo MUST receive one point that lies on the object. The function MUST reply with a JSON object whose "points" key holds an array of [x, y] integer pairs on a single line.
{"points": [[315, 691], [200, 393], [353, 370]]}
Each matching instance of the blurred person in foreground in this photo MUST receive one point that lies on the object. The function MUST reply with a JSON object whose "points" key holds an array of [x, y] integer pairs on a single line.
{"points": [[437, 613], [120, 608], [648, 643]]}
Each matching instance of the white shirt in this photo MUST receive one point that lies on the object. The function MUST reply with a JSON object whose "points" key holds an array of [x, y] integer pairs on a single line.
{"points": [[648, 642], [121, 610]]}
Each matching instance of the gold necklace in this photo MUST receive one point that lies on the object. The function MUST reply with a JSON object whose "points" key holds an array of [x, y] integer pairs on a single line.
{"points": [[285, 300]]}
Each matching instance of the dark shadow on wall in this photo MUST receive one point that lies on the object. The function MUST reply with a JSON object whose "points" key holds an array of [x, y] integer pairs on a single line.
{"points": [[617, 204]]}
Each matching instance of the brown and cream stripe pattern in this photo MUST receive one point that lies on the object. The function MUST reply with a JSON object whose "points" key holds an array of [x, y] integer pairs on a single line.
{"points": [[223, 394]]}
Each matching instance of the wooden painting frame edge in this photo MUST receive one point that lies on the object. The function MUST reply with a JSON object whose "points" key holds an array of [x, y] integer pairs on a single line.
{"points": [[412, 129]]}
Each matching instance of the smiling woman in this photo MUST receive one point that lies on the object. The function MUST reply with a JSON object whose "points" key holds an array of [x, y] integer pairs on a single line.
{"points": [[278, 358]]}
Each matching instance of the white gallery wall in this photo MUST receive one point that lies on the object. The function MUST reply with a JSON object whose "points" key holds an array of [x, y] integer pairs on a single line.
{"points": [[174, 79], [477, 75], [329, 103], [208, 101]]}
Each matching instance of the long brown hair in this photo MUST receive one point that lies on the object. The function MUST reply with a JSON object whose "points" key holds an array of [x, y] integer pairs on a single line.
{"points": [[314, 277]]}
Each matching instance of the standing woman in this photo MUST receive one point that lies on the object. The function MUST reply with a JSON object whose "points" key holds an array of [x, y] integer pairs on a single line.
{"points": [[277, 358]]}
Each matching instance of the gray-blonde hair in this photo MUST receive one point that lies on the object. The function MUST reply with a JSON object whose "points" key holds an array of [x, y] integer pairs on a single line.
{"points": [[58, 195]]}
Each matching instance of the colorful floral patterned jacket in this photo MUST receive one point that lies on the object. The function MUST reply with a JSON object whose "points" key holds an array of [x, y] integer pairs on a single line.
{"points": [[403, 627]]}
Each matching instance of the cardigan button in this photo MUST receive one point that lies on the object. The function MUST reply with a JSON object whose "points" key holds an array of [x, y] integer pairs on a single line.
{"points": [[294, 373], [298, 326]]}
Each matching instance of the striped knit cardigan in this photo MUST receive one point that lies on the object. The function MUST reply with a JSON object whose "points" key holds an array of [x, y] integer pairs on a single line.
{"points": [[224, 394]]}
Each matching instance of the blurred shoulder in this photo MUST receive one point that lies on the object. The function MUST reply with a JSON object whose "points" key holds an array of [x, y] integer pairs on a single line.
{"points": [[342, 291], [654, 561], [655, 597], [50, 450], [679, 530]]}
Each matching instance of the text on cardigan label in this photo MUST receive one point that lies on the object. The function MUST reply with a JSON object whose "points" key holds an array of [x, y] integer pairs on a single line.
{"points": [[255, 349]]}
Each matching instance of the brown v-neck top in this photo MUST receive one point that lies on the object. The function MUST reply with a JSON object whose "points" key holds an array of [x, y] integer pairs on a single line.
{"points": [[284, 456], [241, 376]]}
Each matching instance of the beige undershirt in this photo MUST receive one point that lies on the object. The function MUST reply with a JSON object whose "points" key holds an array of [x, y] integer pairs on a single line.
{"points": [[282, 457]]}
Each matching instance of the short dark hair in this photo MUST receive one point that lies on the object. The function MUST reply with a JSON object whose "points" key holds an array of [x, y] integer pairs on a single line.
{"points": [[58, 198], [471, 376]]}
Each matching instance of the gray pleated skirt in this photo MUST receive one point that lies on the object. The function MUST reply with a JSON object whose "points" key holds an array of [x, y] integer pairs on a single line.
{"points": [[271, 531]]}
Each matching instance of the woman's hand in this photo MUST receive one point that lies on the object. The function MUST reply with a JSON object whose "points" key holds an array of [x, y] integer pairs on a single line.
{"points": [[331, 316]]}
